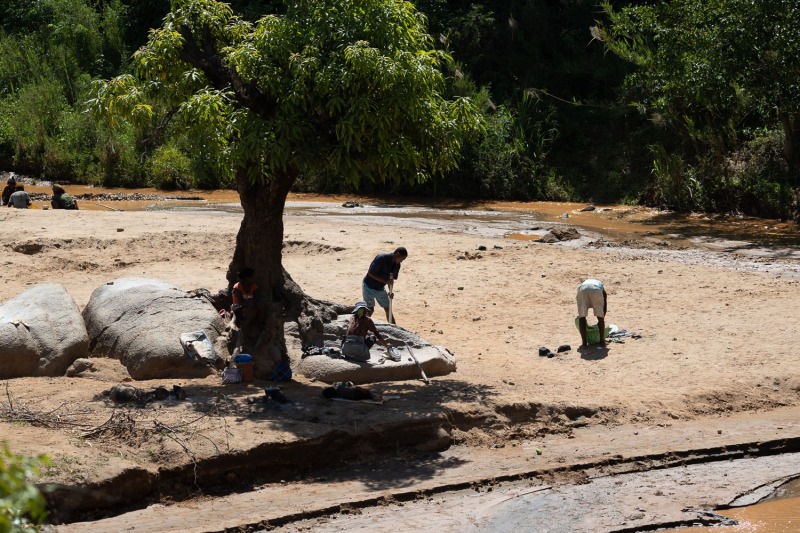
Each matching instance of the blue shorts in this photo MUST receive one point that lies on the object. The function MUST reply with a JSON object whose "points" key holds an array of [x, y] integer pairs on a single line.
{"points": [[370, 295]]}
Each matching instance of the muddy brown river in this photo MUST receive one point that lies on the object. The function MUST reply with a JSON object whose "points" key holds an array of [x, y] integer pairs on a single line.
{"points": [[630, 225]]}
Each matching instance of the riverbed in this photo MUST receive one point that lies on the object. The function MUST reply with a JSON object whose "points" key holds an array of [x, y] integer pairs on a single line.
{"points": [[712, 297]]}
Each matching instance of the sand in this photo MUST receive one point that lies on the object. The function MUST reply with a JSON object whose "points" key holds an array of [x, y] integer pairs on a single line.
{"points": [[717, 326]]}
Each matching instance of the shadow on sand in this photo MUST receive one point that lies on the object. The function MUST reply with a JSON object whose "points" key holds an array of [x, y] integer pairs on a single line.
{"points": [[593, 353]]}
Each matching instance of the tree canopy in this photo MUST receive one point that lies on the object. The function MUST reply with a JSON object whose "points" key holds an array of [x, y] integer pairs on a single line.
{"points": [[354, 88]]}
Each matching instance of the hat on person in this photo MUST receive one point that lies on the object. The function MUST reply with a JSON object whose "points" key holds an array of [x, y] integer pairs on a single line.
{"points": [[360, 305]]}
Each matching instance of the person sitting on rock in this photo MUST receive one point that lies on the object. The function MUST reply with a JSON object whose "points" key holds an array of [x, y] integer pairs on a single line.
{"points": [[19, 198], [62, 200], [358, 341]]}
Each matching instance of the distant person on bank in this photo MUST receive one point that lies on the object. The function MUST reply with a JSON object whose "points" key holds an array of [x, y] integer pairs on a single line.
{"points": [[11, 186], [384, 270], [19, 198], [62, 200], [592, 294]]}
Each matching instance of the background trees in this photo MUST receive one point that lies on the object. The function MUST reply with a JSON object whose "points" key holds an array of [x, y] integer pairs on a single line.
{"points": [[684, 104], [49, 53], [721, 77]]}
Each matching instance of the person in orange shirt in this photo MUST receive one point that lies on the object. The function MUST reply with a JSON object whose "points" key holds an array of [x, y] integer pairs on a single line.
{"points": [[247, 304]]}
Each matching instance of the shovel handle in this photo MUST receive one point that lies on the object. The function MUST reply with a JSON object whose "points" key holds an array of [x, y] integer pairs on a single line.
{"points": [[414, 357], [391, 287]]}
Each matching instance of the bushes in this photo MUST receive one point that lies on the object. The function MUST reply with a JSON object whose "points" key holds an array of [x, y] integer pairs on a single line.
{"points": [[21, 504], [509, 161], [170, 169], [761, 176], [754, 180]]}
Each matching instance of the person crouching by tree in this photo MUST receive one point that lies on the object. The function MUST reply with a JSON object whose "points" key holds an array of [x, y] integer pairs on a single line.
{"points": [[358, 341], [62, 200], [247, 305]]}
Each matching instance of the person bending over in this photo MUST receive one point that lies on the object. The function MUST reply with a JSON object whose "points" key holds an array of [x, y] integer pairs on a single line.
{"points": [[62, 200], [592, 294]]}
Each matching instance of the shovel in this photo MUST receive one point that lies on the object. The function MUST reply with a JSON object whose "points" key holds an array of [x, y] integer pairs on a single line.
{"points": [[414, 357], [391, 290]]}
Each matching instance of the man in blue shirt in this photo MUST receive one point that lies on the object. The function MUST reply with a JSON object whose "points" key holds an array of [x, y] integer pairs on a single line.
{"points": [[383, 271]]}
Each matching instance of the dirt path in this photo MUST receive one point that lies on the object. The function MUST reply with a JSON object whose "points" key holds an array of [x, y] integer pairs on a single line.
{"points": [[717, 334]]}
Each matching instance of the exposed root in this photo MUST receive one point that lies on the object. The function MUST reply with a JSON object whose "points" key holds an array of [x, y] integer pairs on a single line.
{"points": [[53, 419]]}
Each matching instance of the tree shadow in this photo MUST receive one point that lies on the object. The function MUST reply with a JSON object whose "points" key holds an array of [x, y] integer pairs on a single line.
{"points": [[398, 471], [328, 433]]}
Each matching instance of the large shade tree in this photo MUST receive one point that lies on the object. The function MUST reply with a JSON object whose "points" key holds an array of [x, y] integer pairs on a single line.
{"points": [[354, 88]]}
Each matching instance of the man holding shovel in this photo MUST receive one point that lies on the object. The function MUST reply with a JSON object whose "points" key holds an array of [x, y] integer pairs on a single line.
{"points": [[383, 271]]}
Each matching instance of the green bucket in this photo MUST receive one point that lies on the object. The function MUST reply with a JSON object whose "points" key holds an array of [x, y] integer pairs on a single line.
{"points": [[592, 332]]}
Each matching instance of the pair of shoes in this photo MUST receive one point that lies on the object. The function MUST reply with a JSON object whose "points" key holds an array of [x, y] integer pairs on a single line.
{"points": [[393, 354]]}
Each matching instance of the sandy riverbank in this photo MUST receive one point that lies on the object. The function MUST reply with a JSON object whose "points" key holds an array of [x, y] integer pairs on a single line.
{"points": [[714, 339]]}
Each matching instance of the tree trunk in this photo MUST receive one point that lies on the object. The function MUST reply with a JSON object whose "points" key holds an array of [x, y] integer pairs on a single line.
{"points": [[791, 138], [259, 245]]}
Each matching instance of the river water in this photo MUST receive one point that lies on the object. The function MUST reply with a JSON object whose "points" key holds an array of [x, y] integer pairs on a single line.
{"points": [[631, 226], [780, 513]]}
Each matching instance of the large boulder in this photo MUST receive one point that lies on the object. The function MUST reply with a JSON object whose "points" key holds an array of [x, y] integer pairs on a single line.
{"points": [[41, 333], [140, 322], [435, 360]]}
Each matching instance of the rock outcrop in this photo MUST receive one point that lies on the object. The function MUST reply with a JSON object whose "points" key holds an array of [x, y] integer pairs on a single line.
{"points": [[435, 361], [139, 321], [41, 333]]}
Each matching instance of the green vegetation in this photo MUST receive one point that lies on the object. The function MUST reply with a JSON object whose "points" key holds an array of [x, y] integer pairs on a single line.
{"points": [[720, 80], [686, 104], [22, 506]]}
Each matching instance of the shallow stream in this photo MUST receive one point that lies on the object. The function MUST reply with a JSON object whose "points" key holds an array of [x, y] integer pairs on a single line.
{"points": [[620, 225]]}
